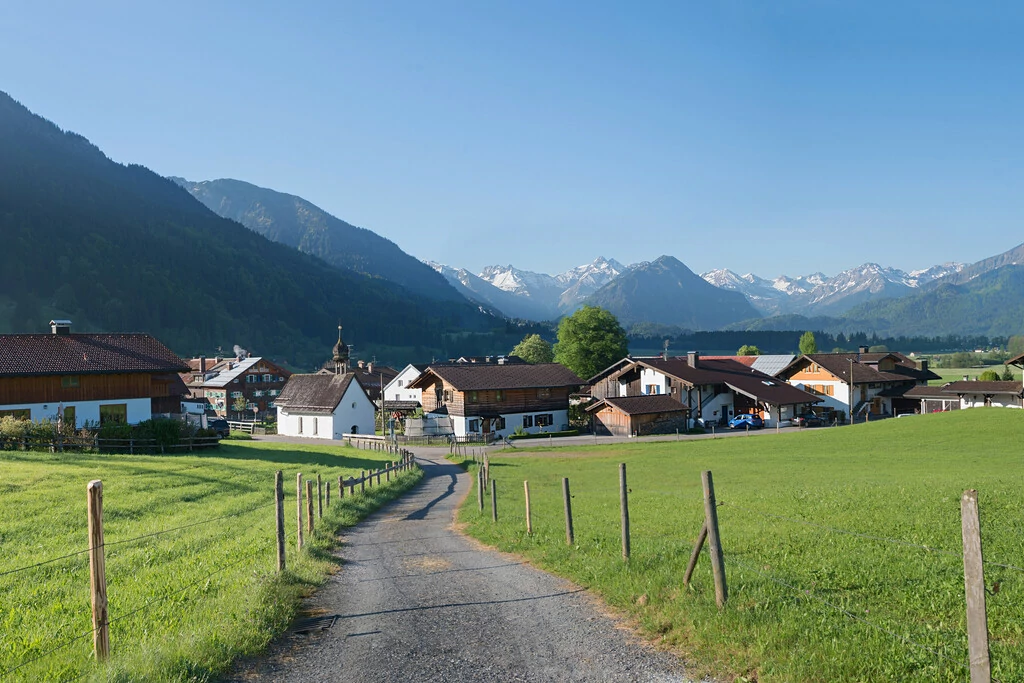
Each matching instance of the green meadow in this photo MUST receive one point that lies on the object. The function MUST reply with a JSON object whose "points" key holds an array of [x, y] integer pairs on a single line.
{"points": [[842, 546], [957, 374], [183, 602]]}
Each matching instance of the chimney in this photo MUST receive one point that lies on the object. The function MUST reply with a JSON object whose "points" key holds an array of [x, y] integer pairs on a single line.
{"points": [[966, 378], [202, 364], [369, 368], [924, 366], [863, 349], [693, 359], [60, 327], [362, 364]]}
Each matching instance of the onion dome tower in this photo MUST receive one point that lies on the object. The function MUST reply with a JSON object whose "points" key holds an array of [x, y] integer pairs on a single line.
{"points": [[340, 355]]}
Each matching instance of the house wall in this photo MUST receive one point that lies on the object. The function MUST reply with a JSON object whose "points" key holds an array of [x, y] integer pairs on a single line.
{"points": [[49, 389], [394, 392], [559, 422], [309, 425], [617, 423], [997, 401], [513, 401], [834, 392], [138, 410]]}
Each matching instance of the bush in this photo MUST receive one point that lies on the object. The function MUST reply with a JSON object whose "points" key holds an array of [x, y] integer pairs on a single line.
{"points": [[544, 435]]}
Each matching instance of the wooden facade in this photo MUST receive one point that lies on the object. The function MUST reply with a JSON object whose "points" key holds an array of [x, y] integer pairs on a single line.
{"points": [[493, 402], [71, 388]]}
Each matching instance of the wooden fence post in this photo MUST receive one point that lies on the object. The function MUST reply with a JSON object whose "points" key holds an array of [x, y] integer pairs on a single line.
{"points": [[309, 507], [298, 508], [341, 487], [319, 498], [974, 589], [390, 466], [624, 504], [570, 537], [328, 487], [695, 555], [480, 488], [362, 481], [279, 513], [529, 520], [715, 543], [98, 572], [494, 501]]}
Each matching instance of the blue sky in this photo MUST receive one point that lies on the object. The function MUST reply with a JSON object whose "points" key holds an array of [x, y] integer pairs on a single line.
{"points": [[773, 137]]}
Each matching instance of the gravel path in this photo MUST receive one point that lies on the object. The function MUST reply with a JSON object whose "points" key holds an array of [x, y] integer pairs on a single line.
{"points": [[417, 601]]}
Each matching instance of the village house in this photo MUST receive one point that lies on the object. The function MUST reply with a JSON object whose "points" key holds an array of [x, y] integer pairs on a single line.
{"points": [[88, 378], [879, 381], [326, 405], [242, 386], [712, 390], [965, 394], [638, 415], [493, 400], [399, 398]]}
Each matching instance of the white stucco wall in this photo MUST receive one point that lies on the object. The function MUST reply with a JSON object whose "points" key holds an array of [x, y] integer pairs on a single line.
{"points": [[139, 410], [394, 392], [998, 401], [354, 409], [560, 421]]}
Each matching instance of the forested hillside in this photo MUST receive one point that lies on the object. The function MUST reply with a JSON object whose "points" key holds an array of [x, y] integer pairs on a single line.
{"points": [[118, 248], [304, 226]]}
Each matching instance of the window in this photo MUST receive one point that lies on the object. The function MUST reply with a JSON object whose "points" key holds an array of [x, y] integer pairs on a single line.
{"points": [[651, 389], [236, 394], [544, 420], [473, 397], [69, 416], [544, 392], [499, 395], [257, 393], [499, 423], [271, 405], [447, 395], [268, 378], [401, 383], [114, 413], [474, 426], [19, 414], [69, 382], [300, 424], [249, 379], [314, 430], [527, 421], [829, 389]]}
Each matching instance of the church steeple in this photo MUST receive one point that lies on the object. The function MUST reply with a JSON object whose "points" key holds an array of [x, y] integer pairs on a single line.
{"points": [[340, 355]]}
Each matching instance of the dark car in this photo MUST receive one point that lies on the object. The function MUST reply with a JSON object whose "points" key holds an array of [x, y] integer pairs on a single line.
{"points": [[220, 426], [746, 421], [808, 420]]}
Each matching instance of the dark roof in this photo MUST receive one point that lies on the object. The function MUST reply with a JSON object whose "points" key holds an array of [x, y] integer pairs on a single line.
{"points": [[735, 375], [472, 377], [904, 366], [925, 392], [399, 405], [314, 393], [84, 354], [641, 405], [972, 387], [1019, 360]]}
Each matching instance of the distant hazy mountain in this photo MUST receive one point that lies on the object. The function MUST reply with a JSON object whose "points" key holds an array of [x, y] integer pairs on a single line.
{"points": [[485, 294], [816, 294], [666, 291], [301, 224], [554, 295]]}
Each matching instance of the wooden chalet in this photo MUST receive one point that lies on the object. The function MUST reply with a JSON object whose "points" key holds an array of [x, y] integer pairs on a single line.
{"points": [[710, 389], [638, 415], [496, 399], [88, 378]]}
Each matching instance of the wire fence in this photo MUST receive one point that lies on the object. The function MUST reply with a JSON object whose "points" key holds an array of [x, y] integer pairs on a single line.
{"points": [[577, 499], [272, 541]]}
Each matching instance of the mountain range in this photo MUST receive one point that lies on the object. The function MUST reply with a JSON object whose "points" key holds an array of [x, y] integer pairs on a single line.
{"points": [[119, 248]]}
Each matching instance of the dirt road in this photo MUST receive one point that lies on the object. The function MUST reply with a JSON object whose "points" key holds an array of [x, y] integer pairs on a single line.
{"points": [[417, 601]]}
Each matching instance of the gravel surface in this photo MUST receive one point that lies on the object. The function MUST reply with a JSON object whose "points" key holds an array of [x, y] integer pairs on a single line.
{"points": [[417, 601]]}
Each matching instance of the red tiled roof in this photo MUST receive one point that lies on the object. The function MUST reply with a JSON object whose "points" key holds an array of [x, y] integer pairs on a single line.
{"points": [[641, 405], [745, 360], [472, 377], [84, 354]]}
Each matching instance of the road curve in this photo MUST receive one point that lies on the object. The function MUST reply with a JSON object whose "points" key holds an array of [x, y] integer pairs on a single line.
{"points": [[417, 601]]}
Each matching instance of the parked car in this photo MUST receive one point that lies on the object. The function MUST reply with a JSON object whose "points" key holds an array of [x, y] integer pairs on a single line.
{"points": [[746, 421], [808, 420], [220, 426]]}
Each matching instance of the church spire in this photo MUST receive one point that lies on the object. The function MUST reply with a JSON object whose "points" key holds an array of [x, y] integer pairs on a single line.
{"points": [[340, 355]]}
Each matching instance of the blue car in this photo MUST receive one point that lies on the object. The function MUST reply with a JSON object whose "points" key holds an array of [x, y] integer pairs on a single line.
{"points": [[745, 421]]}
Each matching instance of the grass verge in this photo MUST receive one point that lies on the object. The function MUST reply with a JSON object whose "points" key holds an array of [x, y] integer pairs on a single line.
{"points": [[184, 603], [807, 602]]}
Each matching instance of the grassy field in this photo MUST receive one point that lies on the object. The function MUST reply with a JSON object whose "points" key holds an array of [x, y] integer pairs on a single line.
{"points": [[185, 603], [957, 374], [807, 602]]}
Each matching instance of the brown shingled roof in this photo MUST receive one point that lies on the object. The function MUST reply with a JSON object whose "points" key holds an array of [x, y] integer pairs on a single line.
{"points": [[971, 387], [84, 354], [736, 376], [641, 405], [472, 377], [315, 393]]}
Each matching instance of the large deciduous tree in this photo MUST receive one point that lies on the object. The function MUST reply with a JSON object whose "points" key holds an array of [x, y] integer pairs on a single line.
{"points": [[590, 340], [533, 349], [808, 343], [748, 350]]}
